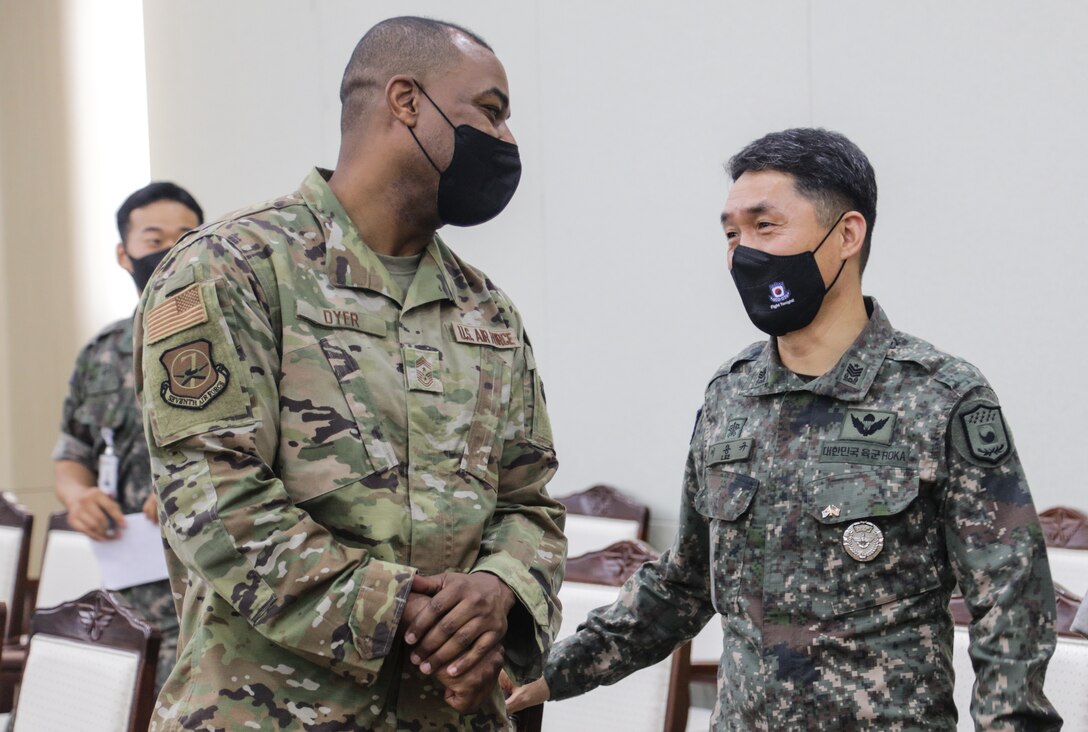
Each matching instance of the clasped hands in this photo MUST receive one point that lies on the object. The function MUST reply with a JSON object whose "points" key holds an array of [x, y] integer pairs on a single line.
{"points": [[454, 625]]}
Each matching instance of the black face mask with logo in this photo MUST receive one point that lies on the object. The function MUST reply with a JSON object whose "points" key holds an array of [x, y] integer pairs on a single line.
{"points": [[144, 267], [781, 293], [480, 179]]}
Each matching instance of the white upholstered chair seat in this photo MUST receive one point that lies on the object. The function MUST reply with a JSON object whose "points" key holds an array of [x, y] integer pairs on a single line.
{"points": [[11, 540], [69, 685], [69, 568], [1069, 568], [590, 533]]}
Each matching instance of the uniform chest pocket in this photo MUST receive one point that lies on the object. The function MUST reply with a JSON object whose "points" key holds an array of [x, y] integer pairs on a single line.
{"points": [[725, 500], [331, 432], [868, 541]]}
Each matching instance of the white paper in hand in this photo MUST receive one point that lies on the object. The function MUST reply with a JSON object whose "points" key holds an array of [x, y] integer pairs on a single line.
{"points": [[134, 558]]}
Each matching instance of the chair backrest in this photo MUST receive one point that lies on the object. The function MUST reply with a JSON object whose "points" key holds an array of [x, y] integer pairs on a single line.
{"points": [[638, 702], [16, 524], [600, 516], [90, 667], [1066, 533], [69, 567]]}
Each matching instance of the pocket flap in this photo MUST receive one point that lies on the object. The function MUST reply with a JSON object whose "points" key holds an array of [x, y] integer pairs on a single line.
{"points": [[840, 498], [726, 495]]}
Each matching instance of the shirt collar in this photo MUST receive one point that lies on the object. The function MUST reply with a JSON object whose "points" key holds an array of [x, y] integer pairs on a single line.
{"points": [[849, 380], [349, 262]]}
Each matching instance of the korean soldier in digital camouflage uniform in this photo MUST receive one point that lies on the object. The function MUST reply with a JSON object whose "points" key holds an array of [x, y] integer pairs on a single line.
{"points": [[842, 478], [348, 431], [101, 416]]}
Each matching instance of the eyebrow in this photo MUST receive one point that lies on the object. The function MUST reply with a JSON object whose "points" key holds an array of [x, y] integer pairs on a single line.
{"points": [[503, 98], [759, 208]]}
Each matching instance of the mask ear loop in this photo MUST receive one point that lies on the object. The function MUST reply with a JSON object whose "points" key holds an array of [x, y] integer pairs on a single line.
{"points": [[837, 222], [412, 132]]}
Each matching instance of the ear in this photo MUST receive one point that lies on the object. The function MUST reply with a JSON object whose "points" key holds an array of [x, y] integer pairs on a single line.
{"points": [[122, 258], [853, 234], [402, 95]]}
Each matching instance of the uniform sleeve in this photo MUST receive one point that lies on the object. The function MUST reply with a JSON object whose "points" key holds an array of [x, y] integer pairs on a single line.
{"points": [[75, 442], [207, 380], [663, 604], [998, 554], [524, 543]]}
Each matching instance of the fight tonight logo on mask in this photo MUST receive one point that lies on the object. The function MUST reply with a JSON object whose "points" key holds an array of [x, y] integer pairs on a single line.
{"points": [[781, 293], [480, 179]]}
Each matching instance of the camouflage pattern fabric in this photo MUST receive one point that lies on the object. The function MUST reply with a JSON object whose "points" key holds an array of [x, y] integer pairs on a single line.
{"points": [[317, 437], [101, 394], [826, 523]]}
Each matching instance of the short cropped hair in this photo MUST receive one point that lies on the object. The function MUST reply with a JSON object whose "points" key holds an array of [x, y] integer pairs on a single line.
{"points": [[407, 45], [827, 169], [149, 194]]}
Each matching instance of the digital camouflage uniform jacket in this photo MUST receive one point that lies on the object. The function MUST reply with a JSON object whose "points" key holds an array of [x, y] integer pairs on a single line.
{"points": [[318, 437], [101, 395], [827, 522]]}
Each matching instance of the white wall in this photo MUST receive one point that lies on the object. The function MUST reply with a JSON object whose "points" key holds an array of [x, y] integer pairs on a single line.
{"points": [[971, 113]]}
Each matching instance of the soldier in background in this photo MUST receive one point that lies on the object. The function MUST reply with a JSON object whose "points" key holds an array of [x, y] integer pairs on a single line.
{"points": [[347, 427], [102, 469], [843, 476]]}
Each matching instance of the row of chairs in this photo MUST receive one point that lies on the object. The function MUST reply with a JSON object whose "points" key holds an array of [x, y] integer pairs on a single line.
{"points": [[593, 579]]}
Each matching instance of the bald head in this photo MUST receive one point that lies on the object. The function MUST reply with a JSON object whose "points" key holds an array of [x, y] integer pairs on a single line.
{"points": [[416, 47]]}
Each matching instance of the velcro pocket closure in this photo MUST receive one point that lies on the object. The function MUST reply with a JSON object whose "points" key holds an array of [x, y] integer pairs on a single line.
{"points": [[726, 495]]}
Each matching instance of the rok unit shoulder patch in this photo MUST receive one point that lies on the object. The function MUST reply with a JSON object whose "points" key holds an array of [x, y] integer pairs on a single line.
{"points": [[982, 435], [175, 314], [193, 378]]}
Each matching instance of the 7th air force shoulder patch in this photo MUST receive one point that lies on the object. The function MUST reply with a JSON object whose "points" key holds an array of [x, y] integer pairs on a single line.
{"points": [[980, 435], [193, 378], [191, 359]]}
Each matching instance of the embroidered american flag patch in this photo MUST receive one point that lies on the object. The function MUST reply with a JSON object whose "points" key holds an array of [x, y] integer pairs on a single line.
{"points": [[175, 314]]}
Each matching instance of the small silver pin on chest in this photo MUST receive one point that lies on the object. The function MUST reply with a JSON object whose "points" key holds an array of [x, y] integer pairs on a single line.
{"points": [[863, 540]]}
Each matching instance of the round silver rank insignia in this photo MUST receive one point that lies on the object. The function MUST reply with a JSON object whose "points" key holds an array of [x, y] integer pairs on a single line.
{"points": [[863, 540]]}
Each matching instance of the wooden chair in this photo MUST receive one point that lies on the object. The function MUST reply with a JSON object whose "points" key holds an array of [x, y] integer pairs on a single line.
{"points": [[600, 516], [16, 524], [697, 662], [1066, 534], [1064, 684], [91, 667], [639, 702]]}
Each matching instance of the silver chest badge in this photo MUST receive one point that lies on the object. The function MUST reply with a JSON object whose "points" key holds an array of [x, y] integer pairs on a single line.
{"points": [[862, 541]]}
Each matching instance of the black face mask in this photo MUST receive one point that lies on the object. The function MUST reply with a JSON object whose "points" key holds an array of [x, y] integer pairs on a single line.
{"points": [[781, 293], [480, 179], [144, 267]]}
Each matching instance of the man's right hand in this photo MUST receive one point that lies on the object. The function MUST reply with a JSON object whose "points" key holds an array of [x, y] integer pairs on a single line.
{"points": [[90, 512], [523, 697]]}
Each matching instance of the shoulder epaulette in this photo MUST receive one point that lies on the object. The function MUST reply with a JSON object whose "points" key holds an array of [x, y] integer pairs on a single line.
{"points": [[751, 353]]}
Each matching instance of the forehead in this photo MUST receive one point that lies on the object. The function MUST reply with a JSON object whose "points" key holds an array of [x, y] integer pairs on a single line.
{"points": [[164, 214], [762, 189], [478, 70]]}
